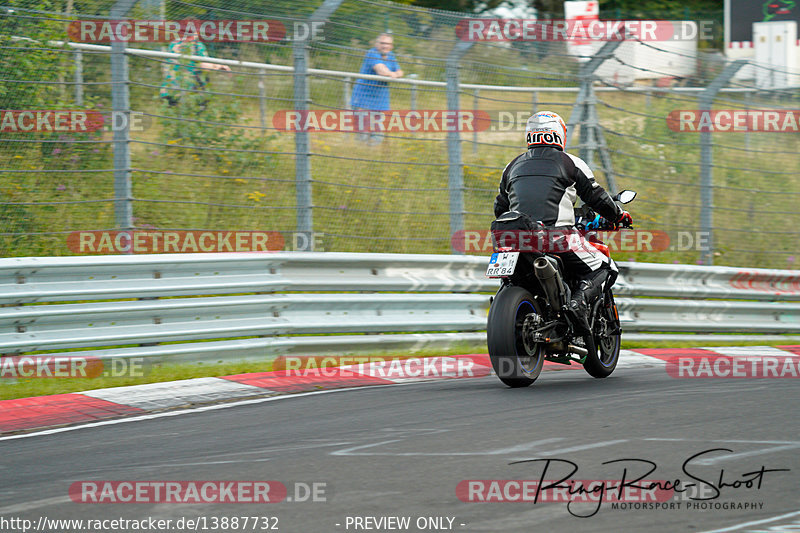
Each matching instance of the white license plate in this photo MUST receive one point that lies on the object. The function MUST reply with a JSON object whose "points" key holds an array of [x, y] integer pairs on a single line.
{"points": [[502, 264]]}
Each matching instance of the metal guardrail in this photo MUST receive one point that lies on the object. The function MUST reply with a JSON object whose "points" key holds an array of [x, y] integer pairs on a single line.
{"points": [[689, 281], [258, 304]]}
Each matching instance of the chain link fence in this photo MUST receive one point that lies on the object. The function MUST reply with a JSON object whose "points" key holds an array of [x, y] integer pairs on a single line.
{"points": [[213, 150]]}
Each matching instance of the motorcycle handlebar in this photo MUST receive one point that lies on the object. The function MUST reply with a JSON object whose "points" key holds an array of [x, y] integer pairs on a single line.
{"points": [[603, 224]]}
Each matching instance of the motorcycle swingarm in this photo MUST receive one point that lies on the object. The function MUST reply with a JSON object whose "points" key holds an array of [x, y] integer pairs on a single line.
{"points": [[565, 359], [539, 333]]}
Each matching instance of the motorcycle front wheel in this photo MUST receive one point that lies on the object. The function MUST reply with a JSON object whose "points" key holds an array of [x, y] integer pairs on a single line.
{"points": [[511, 360]]}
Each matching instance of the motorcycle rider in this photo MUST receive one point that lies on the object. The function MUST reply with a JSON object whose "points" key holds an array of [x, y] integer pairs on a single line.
{"points": [[544, 183]]}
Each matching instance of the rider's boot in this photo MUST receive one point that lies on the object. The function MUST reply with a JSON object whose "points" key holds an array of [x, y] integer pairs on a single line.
{"points": [[583, 297]]}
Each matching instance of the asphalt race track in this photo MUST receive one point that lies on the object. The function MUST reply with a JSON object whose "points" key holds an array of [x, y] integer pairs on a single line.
{"points": [[402, 450]]}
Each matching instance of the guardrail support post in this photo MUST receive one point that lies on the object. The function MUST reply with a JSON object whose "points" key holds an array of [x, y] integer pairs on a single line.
{"points": [[455, 168], [706, 160], [120, 104]]}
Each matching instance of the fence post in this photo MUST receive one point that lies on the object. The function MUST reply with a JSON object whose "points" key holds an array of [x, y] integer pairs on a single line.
{"points": [[748, 98], [474, 129], [302, 97], [120, 104], [78, 78], [348, 90], [455, 180], [705, 100], [584, 112], [413, 92], [580, 111], [262, 98]]}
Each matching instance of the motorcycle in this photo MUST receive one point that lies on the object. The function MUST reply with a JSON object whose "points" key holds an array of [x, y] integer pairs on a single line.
{"points": [[529, 319]]}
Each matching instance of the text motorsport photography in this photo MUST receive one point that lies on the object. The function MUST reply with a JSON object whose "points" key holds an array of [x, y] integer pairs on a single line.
{"points": [[634, 488]]}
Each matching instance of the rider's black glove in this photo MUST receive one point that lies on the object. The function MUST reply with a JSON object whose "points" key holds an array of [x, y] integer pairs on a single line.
{"points": [[624, 220]]}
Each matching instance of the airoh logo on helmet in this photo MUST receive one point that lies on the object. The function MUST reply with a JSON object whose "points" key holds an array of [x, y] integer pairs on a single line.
{"points": [[546, 128], [544, 137]]}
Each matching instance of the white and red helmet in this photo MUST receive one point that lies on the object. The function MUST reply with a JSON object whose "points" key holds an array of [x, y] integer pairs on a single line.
{"points": [[546, 128]]}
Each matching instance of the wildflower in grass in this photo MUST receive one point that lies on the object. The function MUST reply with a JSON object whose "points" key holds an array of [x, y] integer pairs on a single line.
{"points": [[240, 180], [255, 196], [61, 188], [56, 151]]}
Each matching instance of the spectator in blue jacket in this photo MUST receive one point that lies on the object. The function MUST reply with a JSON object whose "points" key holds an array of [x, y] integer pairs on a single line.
{"points": [[373, 95]]}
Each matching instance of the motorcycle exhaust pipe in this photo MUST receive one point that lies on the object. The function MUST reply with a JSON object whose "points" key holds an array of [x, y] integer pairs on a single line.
{"points": [[577, 350], [550, 279]]}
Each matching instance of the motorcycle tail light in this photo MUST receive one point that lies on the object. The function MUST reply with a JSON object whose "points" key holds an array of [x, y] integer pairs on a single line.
{"points": [[603, 248]]}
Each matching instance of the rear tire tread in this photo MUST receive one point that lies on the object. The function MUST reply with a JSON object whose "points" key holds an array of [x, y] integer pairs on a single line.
{"points": [[502, 340]]}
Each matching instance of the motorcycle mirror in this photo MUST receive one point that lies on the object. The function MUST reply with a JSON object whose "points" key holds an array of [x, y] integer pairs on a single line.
{"points": [[625, 197]]}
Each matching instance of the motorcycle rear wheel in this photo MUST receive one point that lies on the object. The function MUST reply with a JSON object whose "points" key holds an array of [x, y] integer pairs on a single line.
{"points": [[602, 361], [511, 360]]}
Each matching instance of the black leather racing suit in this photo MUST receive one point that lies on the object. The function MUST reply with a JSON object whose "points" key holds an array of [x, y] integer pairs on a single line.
{"points": [[544, 183]]}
